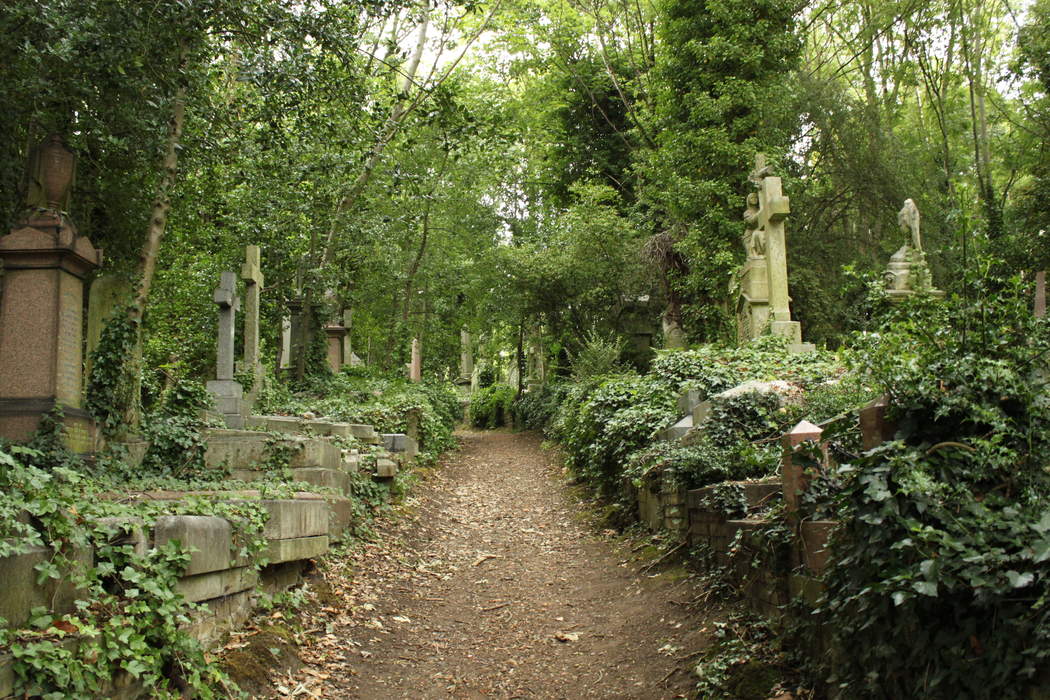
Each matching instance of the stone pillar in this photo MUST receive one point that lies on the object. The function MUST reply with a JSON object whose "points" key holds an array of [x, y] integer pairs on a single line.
{"points": [[466, 356], [336, 335], [791, 469], [228, 393], [348, 351], [875, 428], [251, 273], [415, 369], [1039, 305], [297, 327], [45, 263], [286, 343]]}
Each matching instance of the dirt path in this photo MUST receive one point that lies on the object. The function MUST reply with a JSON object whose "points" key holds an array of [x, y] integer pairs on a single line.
{"points": [[491, 583]]}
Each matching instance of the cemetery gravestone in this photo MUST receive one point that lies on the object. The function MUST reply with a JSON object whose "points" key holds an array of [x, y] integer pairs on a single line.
{"points": [[764, 300], [228, 393], [907, 272], [45, 263], [251, 273]]}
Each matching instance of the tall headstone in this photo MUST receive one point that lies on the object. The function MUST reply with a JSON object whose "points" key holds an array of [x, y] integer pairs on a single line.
{"points": [[228, 393], [285, 360], [45, 262], [415, 369], [764, 238], [107, 294], [297, 330], [349, 358], [251, 273], [907, 272], [336, 335]]}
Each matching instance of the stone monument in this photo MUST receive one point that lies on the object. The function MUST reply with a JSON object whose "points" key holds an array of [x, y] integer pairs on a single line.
{"points": [[415, 368], [251, 273], [907, 272], [228, 393], [45, 262], [336, 334], [349, 357], [764, 302]]}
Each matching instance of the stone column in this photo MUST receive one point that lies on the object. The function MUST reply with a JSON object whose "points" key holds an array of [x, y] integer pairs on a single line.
{"points": [[296, 327], [415, 369], [286, 343], [251, 273], [45, 263], [228, 393], [466, 355], [1039, 305], [348, 350]]}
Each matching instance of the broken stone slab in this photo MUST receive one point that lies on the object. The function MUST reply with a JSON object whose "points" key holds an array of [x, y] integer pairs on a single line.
{"points": [[284, 424], [210, 536], [319, 476], [688, 400], [19, 592], [289, 519], [219, 616], [678, 430], [400, 443], [367, 433], [700, 412], [340, 516], [275, 578], [386, 468], [296, 548], [215, 584], [351, 463], [755, 493]]}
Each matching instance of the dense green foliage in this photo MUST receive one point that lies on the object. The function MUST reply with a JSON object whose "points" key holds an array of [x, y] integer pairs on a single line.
{"points": [[381, 400], [491, 407], [946, 530]]}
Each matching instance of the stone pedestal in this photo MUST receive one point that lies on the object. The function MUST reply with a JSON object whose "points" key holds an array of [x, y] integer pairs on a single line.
{"points": [[41, 327], [336, 335], [753, 308], [907, 273]]}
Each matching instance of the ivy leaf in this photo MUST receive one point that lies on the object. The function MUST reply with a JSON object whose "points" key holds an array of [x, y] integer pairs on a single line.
{"points": [[1019, 580], [927, 588], [899, 597]]}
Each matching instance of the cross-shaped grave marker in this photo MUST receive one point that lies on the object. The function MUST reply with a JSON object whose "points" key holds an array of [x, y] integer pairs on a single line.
{"points": [[251, 273], [229, 304], [773, 208]]}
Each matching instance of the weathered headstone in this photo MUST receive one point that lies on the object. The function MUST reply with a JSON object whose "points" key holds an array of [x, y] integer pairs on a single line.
{"points": [[415, 369], [336, 335], [766, 303], [907, 272], [466, 355], [107, 294], [228, 393], [45, 263], [285, 359], [251, 273], [297, 329]]}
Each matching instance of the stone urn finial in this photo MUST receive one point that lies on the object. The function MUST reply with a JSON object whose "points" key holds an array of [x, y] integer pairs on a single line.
{"points": [[50, 178]]}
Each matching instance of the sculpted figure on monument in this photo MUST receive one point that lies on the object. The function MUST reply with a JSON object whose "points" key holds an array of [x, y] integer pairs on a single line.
{"points": [[908, 219], [753, 239]]}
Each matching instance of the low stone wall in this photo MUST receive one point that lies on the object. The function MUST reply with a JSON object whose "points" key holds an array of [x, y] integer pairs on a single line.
{"points": [[297, 529]]}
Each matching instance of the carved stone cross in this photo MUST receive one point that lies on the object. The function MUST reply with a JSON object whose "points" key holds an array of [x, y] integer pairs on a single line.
{"points": [[251, 273], [229, 304], [773, 208]]}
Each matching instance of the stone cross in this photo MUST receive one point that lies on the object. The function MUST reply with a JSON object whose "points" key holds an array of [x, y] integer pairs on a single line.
{"points": [[773, 208], [251, 273], [229, 304], [415, 370]]}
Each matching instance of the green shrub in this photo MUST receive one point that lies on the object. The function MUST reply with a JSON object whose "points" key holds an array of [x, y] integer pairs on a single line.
{"points": [[536, 408], [945, 537], [491, 407], [703, 463]]}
